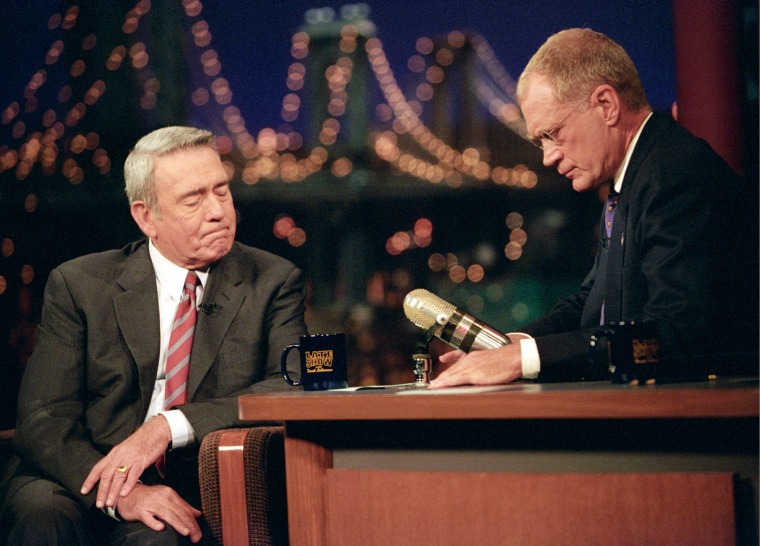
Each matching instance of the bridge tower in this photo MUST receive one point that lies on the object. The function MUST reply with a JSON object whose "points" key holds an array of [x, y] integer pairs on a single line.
{"points": [[337, 78], [457, 117]]}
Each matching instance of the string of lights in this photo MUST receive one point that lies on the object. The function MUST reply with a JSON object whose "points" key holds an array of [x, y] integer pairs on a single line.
{"points": [[50, 138], [445, 162], [271, 154], [49, 135]]}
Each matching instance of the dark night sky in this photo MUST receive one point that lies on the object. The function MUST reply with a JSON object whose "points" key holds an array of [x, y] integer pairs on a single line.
{"points": [[253, 39]]}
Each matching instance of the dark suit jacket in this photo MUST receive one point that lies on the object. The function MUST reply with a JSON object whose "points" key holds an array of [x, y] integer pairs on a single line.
{"points": [[89, 382], [683, 251]]}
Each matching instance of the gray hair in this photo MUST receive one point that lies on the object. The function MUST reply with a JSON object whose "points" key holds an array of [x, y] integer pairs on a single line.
{"points": [[138, 167], [577, 60]]}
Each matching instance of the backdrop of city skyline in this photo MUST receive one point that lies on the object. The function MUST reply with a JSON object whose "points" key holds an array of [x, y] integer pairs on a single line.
{"points": [[253, 39]]}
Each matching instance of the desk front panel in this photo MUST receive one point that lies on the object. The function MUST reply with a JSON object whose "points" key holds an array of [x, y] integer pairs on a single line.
{"points": [[454, 508], [630, 463]]}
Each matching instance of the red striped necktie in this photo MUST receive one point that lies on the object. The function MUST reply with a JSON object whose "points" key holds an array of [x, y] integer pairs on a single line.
{"points": [[180, 345]]}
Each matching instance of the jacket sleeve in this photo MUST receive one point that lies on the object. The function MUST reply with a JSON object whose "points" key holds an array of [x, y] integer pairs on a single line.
{"points": [[281, 324], [51, 411]]}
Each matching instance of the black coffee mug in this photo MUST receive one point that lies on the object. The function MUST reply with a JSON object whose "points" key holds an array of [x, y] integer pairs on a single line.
{"points": [[633, 350], [323, 362]]}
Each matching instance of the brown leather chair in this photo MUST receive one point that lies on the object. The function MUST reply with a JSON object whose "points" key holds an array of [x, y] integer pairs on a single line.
{"points": [[242, 481]]}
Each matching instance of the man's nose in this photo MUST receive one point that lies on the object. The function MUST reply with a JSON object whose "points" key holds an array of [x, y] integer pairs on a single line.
{"points": [[552, 154], [214, 208]]}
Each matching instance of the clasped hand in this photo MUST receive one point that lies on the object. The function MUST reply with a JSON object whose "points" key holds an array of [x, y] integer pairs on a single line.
{"points": [[156, 504], [118, 476]]}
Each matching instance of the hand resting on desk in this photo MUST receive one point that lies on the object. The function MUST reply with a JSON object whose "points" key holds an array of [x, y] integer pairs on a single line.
{"points": [[489, 367]]}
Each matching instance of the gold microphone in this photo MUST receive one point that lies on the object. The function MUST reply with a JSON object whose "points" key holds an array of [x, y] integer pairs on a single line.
{"points": [[451, 325]]}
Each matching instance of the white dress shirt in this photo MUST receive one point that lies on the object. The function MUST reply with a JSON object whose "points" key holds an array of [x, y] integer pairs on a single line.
{"points": [[170, 281]]}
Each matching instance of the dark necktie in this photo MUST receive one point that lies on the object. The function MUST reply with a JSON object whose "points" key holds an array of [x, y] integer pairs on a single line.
{"points": [[609, 216], [609, 211]]}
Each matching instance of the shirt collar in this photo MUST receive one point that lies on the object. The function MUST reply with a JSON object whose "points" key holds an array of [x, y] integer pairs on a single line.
{"points": [[169, 275], [618, 181]]}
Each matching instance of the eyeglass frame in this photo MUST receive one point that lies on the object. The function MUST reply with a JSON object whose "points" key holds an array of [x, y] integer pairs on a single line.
{"points": [[549, 135]]}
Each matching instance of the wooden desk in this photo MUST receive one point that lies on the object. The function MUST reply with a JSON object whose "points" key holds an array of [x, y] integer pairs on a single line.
{"points": [[583, 463]]}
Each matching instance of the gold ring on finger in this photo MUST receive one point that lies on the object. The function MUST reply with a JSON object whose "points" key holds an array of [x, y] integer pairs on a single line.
{"points": [[122, 469]]}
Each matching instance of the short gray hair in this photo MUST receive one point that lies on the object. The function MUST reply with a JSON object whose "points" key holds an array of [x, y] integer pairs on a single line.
{"points": [[577, 60], [139, 182]]}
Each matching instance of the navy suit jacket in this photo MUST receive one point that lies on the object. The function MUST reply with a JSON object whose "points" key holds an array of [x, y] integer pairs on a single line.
{"points": [[89, 382], [683, 251]]}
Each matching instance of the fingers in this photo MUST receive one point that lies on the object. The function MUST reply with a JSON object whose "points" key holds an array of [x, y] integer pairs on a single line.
{"points": [[132, 479], [453, 376], [456, 377], [490, 367], [92, 478], [180, 516], [149, 519], [110, 475], [133, 456], [158, 506], [111, 493], [112, 478], [449, 379], [451, 356]]}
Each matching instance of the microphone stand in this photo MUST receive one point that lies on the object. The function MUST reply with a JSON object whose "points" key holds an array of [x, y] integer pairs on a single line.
{"points": [[423, 362]]}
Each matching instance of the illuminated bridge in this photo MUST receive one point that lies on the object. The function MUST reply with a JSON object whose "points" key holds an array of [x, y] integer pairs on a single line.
{"points": [[345, 115], [371, 185]]}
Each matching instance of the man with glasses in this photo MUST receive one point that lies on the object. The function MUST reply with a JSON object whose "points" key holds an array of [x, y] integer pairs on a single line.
{"points": [[680, 249]]}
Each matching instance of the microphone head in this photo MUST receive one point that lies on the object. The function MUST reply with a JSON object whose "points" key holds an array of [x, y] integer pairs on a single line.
{"points": [[426, 310]]}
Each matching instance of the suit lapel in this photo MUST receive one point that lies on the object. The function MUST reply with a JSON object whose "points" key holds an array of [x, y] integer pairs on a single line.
{"points": [[222, 300], [137, 318], [614, 283], [593, 305]]}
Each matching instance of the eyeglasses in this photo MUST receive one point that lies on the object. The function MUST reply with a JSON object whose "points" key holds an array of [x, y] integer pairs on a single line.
{"points": [[548, 136], [551, 135]]}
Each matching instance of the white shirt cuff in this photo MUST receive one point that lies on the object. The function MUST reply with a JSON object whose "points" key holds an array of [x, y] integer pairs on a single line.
{"points": [[111, 512], [181, 429], [531, 362]]}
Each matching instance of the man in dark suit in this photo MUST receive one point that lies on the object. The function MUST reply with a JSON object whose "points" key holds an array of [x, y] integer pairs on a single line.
{"points": [[94, 416], [682, 246]]}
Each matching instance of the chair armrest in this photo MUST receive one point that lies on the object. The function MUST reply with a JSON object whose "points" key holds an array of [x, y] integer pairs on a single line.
{"points": [[242, 479]]}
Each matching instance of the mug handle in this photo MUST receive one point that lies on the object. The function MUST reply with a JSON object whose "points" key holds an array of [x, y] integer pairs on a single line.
{"points": [[284, 365], [596, 337]]}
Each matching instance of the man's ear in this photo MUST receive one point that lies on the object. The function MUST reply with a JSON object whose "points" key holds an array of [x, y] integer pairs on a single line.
{"points": [[606, 98], [143, 217]]}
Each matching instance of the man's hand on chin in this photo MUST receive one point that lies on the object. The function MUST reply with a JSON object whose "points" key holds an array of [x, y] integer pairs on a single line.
{"points": [[158, 505]]}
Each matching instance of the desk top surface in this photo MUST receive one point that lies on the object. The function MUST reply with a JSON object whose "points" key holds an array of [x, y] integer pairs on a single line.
{"points": [[722, 398]]}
